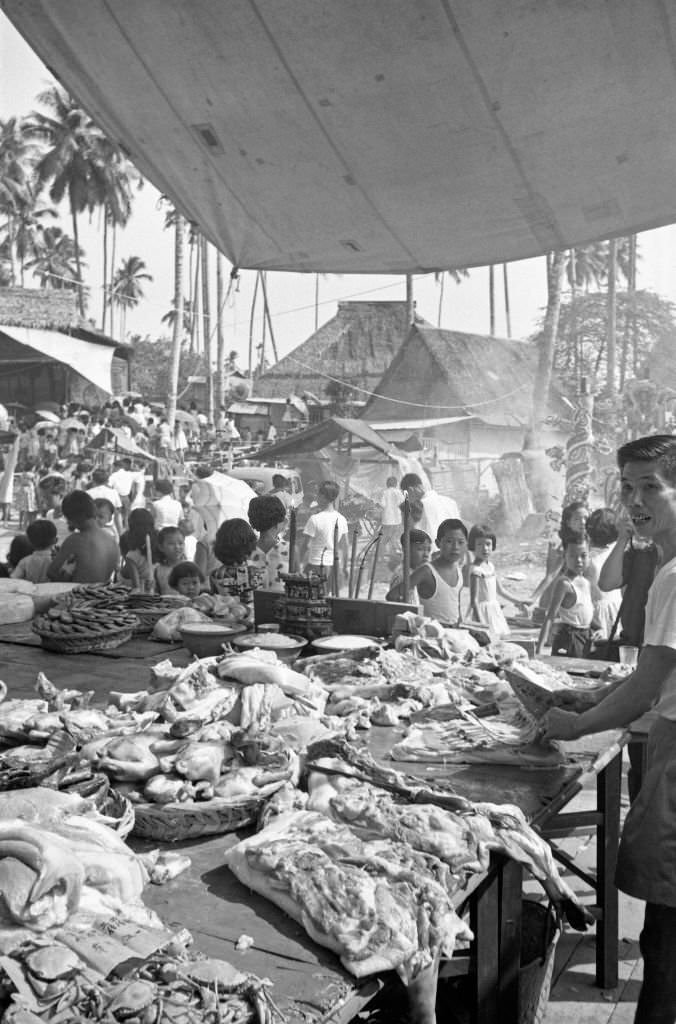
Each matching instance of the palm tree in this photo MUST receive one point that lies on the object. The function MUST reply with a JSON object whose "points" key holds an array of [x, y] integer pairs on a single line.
{"points": [[170, 318], [56, 263], [543, 375], [16, 186], [206, 326], [505, 287], [29, 233], [178, 319], [611, 338], [220, 337], [119, 175], [491, 299], [127, 289], [456, 275], [73, 163]]}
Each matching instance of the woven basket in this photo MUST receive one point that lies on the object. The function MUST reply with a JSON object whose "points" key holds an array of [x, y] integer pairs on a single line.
{"points": [[169, 823], [85, 644], [147, 620], [535, 977]]}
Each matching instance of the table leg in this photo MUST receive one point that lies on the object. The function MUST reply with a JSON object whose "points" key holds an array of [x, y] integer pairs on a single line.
{"points": [[485, 973], [511, 882], [608, 786]]}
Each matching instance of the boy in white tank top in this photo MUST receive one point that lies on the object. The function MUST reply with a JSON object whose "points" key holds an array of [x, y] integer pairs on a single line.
{"points": [[439, 582]]}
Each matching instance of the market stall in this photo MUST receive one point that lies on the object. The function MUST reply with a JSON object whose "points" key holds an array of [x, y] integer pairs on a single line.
{"points": [[335, 752]]}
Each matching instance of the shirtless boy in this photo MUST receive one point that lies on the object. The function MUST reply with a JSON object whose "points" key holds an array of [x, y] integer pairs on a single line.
{"points": [[90, 555]]}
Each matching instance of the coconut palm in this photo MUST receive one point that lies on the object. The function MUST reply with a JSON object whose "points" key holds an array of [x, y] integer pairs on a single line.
{"points": [[456, 275], [29, 233], [119, 176], [16, 184], [73, 162], [543, 375], [57, 264], [177, 337], [127, 289]]}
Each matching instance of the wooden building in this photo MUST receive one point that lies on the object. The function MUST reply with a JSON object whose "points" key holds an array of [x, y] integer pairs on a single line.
{"points": [[49, 353]]}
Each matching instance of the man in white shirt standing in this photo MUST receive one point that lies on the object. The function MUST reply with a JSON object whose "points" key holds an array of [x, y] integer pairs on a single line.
{"points": [[436, 507], [646, 864], [390, 519], [122, 481]]}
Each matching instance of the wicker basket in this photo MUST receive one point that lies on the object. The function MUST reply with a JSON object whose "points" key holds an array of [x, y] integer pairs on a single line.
{"points": [[83, 643], [535, 976], [169, 823]]}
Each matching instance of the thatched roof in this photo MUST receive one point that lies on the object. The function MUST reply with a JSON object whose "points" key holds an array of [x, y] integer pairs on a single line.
{"points": [[491, 378], [49, 309], [356, 346]]}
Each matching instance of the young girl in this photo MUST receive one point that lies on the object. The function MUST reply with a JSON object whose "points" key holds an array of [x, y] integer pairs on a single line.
{"points": [[484, 585], [19, 548], [571, 608], [420, 549], [574, 518], [134, 547], [439, 582], [185, 579], [105, 517], [267, 515], [171, 551], [234, 544]]}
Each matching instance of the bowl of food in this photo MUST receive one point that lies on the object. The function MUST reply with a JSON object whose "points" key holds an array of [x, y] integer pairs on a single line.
{"points": [[286, 646], [339, 643], [206, 639]]}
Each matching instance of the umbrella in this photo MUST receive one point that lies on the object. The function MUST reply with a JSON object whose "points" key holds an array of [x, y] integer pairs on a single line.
{"points": [[219, 497], [46, 425], [71, 423], [185, 417], [127, 421], [47, 414]]}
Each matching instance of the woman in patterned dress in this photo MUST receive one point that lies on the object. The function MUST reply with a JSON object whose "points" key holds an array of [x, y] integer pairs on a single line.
{"points": [[267, 515]]}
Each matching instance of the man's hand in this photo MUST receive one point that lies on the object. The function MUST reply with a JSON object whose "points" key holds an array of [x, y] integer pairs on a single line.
{"points": [[560, 725]]}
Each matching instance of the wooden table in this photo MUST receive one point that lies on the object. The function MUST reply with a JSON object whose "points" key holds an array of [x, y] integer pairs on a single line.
{"points": [[310, 985], [495, 907]]}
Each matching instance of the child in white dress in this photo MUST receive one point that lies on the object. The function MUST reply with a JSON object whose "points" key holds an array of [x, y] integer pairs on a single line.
{"points": [[484, 585]]}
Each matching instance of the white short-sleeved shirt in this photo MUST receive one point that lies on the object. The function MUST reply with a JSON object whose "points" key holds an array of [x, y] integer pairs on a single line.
{"points": [[103, 491], [167, 511], [319, 528], [660, 630], [390, 501], [121, 480]]}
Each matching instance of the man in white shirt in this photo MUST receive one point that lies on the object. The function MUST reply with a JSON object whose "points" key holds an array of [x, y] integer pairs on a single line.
{"points": [[646, 866], [166, 509], [390, 519], [101, 489], [436, 507], [122, 481]]}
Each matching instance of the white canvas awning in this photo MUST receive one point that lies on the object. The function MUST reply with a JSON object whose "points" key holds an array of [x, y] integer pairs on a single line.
{"points": [[385, 426], [382, 135], [85, 357]]}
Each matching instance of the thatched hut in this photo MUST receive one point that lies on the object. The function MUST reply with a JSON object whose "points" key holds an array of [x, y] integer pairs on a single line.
{"points": [[483, 383], [354, 347]]}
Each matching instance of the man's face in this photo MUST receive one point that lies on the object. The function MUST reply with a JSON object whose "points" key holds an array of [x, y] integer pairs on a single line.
{"points": [[649, 498]]}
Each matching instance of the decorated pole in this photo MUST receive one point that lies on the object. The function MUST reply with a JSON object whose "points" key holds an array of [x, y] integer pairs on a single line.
{"points": [[580, 447]]}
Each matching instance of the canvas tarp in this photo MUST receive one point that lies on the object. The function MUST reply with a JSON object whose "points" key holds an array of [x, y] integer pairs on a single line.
{"points": [[115, 438], [91, 361], [322, 434], [382, 136]]}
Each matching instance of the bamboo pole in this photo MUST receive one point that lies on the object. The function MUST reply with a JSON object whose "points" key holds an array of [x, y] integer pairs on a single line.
{"points": [[336, 562], [406, 545], [374, 564], [292, 539], [353, 559]]}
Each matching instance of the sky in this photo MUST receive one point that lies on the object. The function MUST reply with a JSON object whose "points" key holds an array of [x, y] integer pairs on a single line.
{"points": [[292, 296]]}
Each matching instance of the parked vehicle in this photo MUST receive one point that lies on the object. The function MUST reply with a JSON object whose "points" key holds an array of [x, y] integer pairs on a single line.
{"points": [[260, 478]]}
